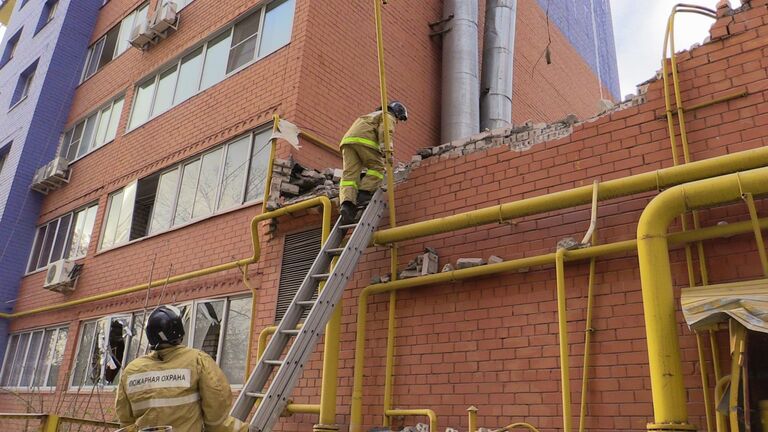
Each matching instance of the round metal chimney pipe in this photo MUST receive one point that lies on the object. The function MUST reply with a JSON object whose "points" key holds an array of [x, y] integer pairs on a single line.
{"points": [[498, 64], [460, 115]]}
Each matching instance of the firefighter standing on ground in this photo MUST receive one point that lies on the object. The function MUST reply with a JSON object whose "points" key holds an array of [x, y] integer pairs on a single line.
{"points": [[363, 147], [174, 385]]}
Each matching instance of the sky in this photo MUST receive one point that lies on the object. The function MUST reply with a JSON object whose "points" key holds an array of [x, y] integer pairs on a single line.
{"points": [[639, 28]]}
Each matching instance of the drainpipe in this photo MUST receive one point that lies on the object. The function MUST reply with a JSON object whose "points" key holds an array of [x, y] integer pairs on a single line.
{"points": [[460, 116], [498, 62], [667, 387]]}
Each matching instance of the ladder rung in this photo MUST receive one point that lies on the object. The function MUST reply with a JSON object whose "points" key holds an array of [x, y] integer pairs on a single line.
{"points": [[321, 276], [290, 332], [305, 303], [347, 226], [273, 362], [335, 251], [256, 395]]}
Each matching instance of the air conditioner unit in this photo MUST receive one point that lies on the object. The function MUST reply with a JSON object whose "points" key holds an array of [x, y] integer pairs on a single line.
{"points": [[141, 35], [52, 176], [165, 18], [62, 276]]}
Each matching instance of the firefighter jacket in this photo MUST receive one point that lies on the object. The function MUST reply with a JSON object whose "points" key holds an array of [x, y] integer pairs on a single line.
{"points": [[368, 130], [177, 386]]}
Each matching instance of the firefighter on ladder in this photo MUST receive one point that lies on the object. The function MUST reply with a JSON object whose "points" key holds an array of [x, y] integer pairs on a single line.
{"points": [[174, 385], [363, 147]]}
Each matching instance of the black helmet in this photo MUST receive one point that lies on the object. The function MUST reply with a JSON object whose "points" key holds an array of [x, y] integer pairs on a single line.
{"points": [[398, 110], [165, 326]]}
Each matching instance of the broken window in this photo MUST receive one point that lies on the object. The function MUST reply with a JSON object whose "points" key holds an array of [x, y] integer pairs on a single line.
{"points": [[102, 351]]}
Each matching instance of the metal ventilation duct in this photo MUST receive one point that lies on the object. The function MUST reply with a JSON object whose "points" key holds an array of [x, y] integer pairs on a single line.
{"points": [[498, 62], [460, 80]]}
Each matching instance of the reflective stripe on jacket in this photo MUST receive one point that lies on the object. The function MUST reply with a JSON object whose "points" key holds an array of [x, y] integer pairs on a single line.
{"points": [[368, 130], [178, 386]]}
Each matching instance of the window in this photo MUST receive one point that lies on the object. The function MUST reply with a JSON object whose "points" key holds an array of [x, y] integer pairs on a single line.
{"points": [[49, 12], [10, 48], [4, 151], [33, 359], [119, 213], [218, 327], [65, 237], [228, 52], [24, 85], [114, 43], [218, 180], [96, 130], [300, 252]]}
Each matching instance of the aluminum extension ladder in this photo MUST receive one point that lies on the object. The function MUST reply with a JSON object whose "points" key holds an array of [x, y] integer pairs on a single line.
{"points": [[279, 375]]}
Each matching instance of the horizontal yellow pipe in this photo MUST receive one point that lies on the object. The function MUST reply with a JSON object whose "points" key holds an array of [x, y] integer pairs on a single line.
{"points": [[654, 180], [667, 388], [508, 266], [322, 201], [131, 290], [303, 408], [415, 412]]}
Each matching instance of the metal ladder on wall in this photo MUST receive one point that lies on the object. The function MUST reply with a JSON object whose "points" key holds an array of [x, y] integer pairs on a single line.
{"points": [[279, 375]]}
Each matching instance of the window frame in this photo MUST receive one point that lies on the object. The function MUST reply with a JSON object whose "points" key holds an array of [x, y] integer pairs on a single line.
{"points": [[64, 147], [230, 29], [57, 329], [67, 241], [10, 47], [192, 307], [84, 76], [173, 225], [48, 14], [22, 89]]}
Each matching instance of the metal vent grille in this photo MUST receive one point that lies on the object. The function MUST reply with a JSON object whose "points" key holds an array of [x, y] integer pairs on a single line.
{"points": [[299, 253]]}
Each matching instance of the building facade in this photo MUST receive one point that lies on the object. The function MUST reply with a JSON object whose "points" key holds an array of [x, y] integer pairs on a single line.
{"points": [[39, 71], [168, 150]]}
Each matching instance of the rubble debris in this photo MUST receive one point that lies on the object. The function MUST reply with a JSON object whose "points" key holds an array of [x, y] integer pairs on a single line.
{"points": [[421, 265], [568, 243], [291, 182], [493, 259], [446, 268], [463, 263]]}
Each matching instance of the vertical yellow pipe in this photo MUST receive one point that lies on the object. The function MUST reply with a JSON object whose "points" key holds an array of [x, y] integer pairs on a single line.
{"points": [[267, 187], [587, 341], [563, 328], [667, 102], [738, 335], [704, 382], [356, 409], [472, 414], [758, 233], [667, 388], [392, 213]]}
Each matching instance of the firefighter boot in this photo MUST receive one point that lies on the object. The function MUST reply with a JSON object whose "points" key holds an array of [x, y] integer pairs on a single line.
{"points": [[348, 212], [363, 198]]}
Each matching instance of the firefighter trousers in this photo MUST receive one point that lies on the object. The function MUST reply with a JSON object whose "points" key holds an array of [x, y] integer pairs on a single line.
{"points": [[356, 157]]}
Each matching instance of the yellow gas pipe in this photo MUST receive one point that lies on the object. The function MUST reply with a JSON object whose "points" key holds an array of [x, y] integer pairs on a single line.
{"points": [[565, 373], [645, 182], [668, 391], [507, 266]]}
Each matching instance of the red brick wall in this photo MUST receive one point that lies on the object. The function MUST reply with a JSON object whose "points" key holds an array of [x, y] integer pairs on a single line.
{"points": [[489, 342], [548, 92]]}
